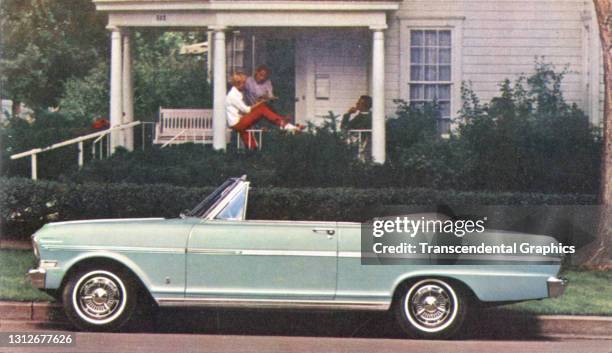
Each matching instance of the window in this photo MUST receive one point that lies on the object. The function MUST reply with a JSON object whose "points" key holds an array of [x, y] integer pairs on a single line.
{"points": [[235, 210], [431, 71]]}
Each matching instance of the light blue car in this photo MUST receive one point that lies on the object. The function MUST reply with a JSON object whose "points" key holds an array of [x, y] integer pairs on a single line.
{"points": [[212, 256]]}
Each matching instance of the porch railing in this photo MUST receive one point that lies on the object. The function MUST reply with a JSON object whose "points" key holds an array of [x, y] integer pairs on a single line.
{"points": [[362, 139]]}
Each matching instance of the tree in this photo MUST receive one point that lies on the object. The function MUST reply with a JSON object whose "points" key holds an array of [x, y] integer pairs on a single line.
{"points": [[45, 42], [162, 77], [598, 254]]}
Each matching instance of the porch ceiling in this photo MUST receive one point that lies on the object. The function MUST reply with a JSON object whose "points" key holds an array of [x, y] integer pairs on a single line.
{"points": [[252, 13]]}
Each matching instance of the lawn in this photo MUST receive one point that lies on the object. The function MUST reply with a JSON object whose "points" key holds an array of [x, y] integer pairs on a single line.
{"points": [[14, 285], [589, 292]]}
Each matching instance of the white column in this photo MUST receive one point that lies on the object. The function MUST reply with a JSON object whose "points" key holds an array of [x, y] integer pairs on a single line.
{"points": [[378, 95], [116, 106], [209, 57], [219, 92], [128, 91]]}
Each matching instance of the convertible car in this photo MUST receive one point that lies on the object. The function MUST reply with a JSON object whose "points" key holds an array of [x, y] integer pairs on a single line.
{"points": [[212, 256]]}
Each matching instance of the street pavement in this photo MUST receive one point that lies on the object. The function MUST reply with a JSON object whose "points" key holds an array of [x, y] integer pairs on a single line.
{"points": [[279, 331]]}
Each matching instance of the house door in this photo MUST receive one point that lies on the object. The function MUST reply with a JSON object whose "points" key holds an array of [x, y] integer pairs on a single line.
{"points": [[280, 57]]}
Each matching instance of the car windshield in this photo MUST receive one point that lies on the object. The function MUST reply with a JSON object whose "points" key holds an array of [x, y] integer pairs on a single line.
{"points": [[210, 200]]}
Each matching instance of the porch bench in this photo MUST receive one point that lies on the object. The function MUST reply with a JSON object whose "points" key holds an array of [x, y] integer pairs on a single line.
{"points": [[176, 126], [184, 125]]}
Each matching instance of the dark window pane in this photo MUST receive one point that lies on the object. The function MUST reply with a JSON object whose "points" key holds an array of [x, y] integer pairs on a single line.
{"points": [[416, 55], [416, 38], [416, 92], [431, 56], [416, 73], [430, 92], [431, 38], [444, 56], [444, 38], [445, 73], [431, 73], [444, 92]]}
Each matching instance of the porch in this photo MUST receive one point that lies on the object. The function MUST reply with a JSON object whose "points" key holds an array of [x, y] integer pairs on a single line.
{"points": [[337, 49]]}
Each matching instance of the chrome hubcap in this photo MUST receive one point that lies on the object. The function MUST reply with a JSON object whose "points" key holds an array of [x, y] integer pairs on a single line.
{"points": [[99, 297], [431, 305]]}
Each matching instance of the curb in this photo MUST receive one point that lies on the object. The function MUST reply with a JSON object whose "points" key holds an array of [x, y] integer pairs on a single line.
{"points": [[521, 325], [32, 311], [12, 244]]}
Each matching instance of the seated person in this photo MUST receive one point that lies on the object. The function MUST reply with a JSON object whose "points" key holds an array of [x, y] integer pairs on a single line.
{"points": [[241, 117], [258, 87], [359, 116]]}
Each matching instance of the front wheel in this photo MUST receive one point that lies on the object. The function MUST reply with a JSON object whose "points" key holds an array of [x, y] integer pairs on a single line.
{"points": [[432, 308], [99, 299]]}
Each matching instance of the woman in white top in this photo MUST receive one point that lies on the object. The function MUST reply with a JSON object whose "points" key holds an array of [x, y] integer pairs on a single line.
{"points": [[241, 117]]}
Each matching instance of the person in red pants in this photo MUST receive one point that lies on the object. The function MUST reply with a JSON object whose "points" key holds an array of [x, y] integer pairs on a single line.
{"points": [[241, 117]]}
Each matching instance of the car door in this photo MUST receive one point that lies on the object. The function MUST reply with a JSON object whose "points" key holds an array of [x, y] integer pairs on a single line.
{"points": [[262, 260]]}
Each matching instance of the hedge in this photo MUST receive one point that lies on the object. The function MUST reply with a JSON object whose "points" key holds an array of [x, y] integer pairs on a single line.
{"points": [[26, 205]]}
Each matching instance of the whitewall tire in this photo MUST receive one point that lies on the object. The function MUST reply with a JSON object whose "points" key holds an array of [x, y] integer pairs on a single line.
{"points": [[431, 308], [99, 299]]}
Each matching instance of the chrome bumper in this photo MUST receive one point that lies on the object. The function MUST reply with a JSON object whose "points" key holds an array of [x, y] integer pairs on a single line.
{"points": [[37, 277], [556, 286]]}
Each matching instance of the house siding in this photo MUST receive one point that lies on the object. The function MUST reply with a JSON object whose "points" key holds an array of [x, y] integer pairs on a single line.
{"points": [[502, 39], [343, 56]]}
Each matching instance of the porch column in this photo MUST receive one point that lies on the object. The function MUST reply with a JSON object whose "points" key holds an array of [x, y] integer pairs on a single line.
{"points": [[116, 106], [128, 91], [378, 95], [220, 87]]}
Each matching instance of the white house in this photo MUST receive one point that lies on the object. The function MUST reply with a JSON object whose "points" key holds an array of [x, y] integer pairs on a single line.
{"points": [[412, 49]]}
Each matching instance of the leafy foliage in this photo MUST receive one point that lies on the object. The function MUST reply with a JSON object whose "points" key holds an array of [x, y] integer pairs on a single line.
{"points": [[26, 205], [162, 77], [529, 138], [18, 135], [46, 42]]}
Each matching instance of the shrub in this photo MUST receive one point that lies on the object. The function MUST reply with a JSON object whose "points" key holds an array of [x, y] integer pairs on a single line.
{"points": [[26, 205], [529, 138], [18, 135]]}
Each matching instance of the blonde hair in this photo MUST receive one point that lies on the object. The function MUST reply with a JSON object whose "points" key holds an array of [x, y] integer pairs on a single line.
{"points": [[238, 77]]}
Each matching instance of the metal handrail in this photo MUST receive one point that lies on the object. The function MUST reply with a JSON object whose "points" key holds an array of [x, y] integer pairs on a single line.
{"points": [[173, 138], [77, 140]]}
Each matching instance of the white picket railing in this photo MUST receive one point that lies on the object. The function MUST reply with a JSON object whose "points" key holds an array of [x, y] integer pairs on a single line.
{"points": [[98, 136]]}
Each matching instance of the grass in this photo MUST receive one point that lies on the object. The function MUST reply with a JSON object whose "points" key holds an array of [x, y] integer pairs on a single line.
{"points": [[14, 285], [588, 293]]}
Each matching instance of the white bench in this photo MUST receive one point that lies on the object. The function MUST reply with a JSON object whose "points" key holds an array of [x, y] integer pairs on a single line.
{"points": [[184, 125], [190, 125]]}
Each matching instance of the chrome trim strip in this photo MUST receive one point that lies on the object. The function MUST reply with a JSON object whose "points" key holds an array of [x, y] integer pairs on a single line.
{"points": [[274, 303], [107, 220], [255, 252], [351, 254], [114, 248], [214, 251]]}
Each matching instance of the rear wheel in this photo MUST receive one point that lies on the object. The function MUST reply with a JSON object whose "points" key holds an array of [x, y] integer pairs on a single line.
{"points": [[99, 299], [432, 308]]}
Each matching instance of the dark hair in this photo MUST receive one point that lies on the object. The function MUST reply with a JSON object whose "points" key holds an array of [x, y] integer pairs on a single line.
{"points": [[262, 68], [367, 100]]}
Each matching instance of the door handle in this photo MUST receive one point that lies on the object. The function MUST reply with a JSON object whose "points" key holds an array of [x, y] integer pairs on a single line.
{"points": [[328, 231]]}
